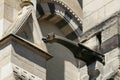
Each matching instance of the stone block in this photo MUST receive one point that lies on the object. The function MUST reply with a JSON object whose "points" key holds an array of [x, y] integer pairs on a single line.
{"points": [[15, 13], [111, 55], [92, 43], [5, 54], [83, 71], [9, 77], [28, 60], [85, 77], [8, 13], [115, 63], [6, 25], [16, 4], [6, 70], [71, 72], [96, 13], [66, 29], [86, 2], [112, 7], [110, 32], [101, 14], [90, 22], [1, 10], [107, 69], [110, 68], [1, 27], [92, 7]]}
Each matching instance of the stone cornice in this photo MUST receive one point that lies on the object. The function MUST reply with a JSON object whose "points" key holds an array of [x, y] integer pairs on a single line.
{"points": [[100, 27], [25, 43]]}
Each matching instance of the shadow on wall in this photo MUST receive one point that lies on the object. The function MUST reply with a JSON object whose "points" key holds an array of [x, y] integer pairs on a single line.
{"points": [[23, 54], [81, 3], [63, 65]]}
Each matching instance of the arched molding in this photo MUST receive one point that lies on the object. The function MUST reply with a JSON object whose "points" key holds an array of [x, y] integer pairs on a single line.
{"points": [[65, 6], [49, 9]]}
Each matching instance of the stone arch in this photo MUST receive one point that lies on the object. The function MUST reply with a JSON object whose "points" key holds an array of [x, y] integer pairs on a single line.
{"points": [[62, 57], [57, 17], [62, 4], [61, 15]]}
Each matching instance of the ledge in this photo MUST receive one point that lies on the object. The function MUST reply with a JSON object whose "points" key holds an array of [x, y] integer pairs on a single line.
{"points": [[100, 27], [27, 44]]}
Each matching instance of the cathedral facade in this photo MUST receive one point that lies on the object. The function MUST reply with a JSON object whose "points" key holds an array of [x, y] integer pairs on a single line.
{"points": [[60, 40]]}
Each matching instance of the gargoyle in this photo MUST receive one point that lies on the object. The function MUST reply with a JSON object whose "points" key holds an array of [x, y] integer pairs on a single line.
{"points": [[79, 51]]}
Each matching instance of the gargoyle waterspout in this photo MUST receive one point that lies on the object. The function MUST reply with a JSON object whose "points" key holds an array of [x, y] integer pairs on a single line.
{"points": [[79, 51]]}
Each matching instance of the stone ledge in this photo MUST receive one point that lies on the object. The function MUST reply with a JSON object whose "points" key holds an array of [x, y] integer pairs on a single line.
{"points": [[25, 43], [100, 27]]}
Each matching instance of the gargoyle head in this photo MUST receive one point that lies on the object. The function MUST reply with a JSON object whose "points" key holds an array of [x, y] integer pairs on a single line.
{"points": [[50, 38]]}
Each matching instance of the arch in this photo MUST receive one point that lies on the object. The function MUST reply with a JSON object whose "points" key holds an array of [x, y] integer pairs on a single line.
{"points": [[62, 16], [66, 23], [62, 57], [62, 4]]}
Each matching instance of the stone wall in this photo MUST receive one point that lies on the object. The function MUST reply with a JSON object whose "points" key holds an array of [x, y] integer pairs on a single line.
{"points": [[103, 16], [18, 60], [8, 13], [6, 72], [28, 61], [98, 17], [96, 11]]}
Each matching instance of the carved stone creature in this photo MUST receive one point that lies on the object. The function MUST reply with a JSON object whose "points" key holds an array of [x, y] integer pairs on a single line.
{"points": [[79, 51]]}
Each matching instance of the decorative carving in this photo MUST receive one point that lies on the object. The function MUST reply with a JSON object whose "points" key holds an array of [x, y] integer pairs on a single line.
{"points": [[79, 51], [78, 19], [23, 74]]}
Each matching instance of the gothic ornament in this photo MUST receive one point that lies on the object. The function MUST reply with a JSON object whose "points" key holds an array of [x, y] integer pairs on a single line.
{"points": [[79, 51]]}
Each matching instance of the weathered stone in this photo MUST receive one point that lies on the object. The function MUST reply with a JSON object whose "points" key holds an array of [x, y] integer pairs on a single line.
{"points": [[95, 23]]}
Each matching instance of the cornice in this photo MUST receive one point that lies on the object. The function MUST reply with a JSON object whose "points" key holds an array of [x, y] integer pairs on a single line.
{"points": [[25, 43], [100, 27]]}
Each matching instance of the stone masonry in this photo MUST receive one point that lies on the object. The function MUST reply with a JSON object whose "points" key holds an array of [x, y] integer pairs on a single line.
{"points": [[92, 23]]}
